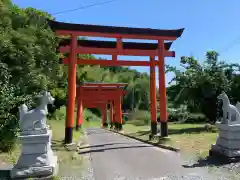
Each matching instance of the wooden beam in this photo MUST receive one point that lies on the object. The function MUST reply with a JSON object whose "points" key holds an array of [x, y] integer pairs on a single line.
{"points": [[124, 52], [102, 85], [92, 95], [111, 63], [113, 35]]}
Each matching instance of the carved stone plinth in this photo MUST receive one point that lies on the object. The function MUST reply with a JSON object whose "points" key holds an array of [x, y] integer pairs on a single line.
{"points": [[36, 159], [228, 141]]}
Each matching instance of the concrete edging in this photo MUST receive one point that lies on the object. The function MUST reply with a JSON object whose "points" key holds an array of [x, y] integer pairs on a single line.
{"points": [[147, 142]]}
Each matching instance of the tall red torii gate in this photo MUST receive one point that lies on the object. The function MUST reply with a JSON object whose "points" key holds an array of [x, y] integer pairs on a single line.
{"points": [[100, 95], [74, 46]]}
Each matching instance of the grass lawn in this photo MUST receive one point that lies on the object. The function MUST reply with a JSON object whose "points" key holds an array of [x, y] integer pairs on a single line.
{"points": [[66, 156], [58, 129], [70, 162], [192, 139], [92, 123]]}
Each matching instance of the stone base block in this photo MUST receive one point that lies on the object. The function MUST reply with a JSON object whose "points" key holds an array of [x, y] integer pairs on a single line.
{"points": [[226, 152], [35, 171], [228, 127], [231, 135], [36, 159], [228, 143]]}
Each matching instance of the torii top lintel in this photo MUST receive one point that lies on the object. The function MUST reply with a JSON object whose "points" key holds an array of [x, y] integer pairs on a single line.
{"points": [[107, 91], [102, 85], [113, 31]]}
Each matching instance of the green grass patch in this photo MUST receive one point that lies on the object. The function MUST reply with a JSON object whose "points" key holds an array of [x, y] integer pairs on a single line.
{"points": [[68, 158], [194, 139], [58, 129], [63, 153]]}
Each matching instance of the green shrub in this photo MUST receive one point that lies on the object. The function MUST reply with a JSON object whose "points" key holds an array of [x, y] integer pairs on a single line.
{"points": [[89, 116], [139, 118], [8, 134], [210, 128], [139, 115], [59, 114], [180, 114], [125, 118], [196, 118]]}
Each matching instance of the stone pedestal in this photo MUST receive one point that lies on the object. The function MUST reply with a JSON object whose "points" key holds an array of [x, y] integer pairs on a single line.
{"points": [[228, 140], [36, 159]]}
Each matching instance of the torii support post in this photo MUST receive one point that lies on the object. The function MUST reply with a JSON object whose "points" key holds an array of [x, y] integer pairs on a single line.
{"points": [[118, 113], [162, 90], [71, 91], [103, 109], [153, 97], [111, 114], [79, 114]]}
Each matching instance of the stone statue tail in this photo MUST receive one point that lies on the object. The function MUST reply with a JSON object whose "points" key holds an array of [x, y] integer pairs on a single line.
{"points": [[22, 111], [238, 106]]}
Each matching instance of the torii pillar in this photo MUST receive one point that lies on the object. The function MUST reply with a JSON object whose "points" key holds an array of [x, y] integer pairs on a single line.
{"points": [[162, 89], [103, 109], [79, 114], [153, 104], [111, 114]]}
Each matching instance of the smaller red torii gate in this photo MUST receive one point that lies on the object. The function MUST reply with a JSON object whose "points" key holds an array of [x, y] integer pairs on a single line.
{"points": [[93, 95]]}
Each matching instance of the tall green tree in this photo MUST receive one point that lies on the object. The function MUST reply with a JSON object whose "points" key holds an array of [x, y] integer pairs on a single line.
{"points": [[200, 84]]}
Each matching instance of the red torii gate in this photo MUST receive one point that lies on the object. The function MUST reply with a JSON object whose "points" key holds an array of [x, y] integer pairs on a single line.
{"points": [[74, 46], [100, 95]]}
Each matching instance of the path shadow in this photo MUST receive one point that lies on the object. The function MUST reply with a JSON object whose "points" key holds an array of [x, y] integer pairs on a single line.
{"points": [[141, 133], [101, 145], [4, 174], [138, 122], [58, 145], [195, 130], [175, 131], [96, 131], [213, 161], [107, 149], [93, 133]]}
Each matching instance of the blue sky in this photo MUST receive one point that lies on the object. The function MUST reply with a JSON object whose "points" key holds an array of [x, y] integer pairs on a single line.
{"points": [[209, 25]]}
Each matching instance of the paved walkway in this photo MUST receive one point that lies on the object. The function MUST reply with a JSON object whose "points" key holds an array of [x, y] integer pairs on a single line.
{"points": [[118, 157]]}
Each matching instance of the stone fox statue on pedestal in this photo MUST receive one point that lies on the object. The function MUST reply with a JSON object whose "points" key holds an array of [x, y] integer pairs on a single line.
{"points": [[231, 113], [36, 118]]}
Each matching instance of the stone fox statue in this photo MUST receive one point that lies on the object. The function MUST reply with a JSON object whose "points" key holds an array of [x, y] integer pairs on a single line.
{"points": [[36, 118], [231, 113]]}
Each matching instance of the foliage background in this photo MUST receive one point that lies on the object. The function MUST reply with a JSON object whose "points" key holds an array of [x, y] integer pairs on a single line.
{"points": [[29, 64]]}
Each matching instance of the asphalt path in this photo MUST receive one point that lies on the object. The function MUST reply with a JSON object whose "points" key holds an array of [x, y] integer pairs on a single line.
{"points": [[116, 157]]}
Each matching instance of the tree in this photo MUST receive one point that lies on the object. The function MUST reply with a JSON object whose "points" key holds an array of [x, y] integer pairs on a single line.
{"points": [[200, 85], [29, 64]]}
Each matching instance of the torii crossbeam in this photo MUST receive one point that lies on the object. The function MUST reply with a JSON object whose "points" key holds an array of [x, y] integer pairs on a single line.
{"points": [[160, 49]]}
